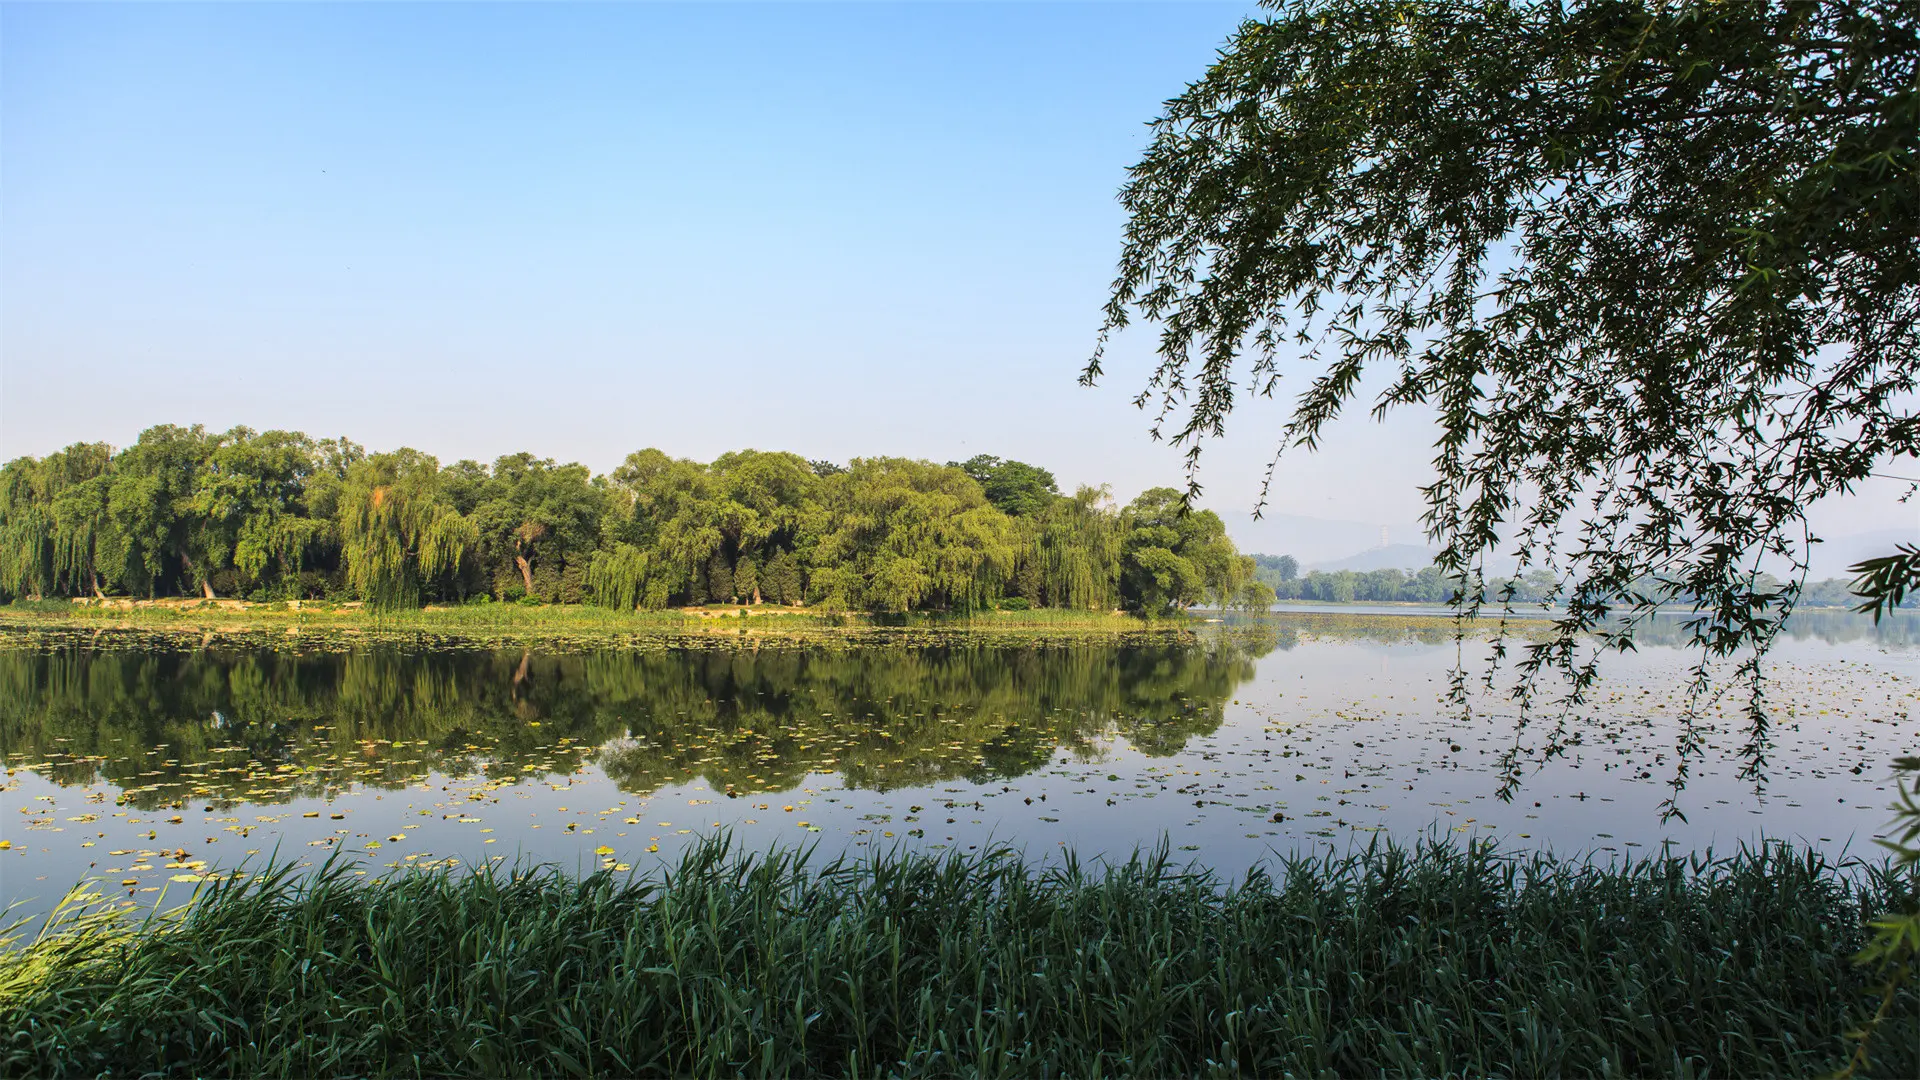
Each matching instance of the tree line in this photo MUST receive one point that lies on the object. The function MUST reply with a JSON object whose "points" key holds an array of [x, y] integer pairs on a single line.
{"points": [[278, 515], [1431, 585]]}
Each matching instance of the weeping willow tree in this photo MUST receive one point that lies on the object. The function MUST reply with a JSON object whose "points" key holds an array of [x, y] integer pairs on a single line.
{"points": [[26, 524], [618, 579], [250, 497], [1078, 549], [397, 530], [53, 522], [671, 514], [275, 539], [911, 534], [1651, 267]]}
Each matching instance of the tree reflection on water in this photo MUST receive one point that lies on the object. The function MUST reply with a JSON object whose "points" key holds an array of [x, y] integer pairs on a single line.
{"points": [[241, 724]]}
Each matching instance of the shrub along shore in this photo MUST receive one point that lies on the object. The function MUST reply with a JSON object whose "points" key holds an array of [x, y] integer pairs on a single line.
{"points": [[1439, 960]]}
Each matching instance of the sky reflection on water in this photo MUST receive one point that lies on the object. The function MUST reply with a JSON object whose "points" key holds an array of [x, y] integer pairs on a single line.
{"points": [[152, 767]]}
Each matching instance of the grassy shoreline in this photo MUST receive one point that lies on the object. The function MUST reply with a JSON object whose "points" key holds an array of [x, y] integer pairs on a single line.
{"points": [[572, 624], [1441, 960]]}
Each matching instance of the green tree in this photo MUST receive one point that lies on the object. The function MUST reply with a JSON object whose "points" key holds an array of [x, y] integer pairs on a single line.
{"points": [[150, 502], [250, 499], [534, 519], [746, 579], [1174, 556], [465, 484], [54, 524], [720, 589], [333, 459], [1652, 265], [669, 511], [1078, 549], [398, 530], [766, 503], [909, 534], [1017, 488], [617, 577], [782, 581]]}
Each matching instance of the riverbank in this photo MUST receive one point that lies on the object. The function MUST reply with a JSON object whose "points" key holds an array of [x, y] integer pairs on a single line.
{"points": [[558, 624], [1446, 960]]}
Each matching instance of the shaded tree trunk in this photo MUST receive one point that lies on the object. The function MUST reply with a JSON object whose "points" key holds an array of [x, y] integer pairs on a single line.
{"points": [[206, 586], [526, 571]]}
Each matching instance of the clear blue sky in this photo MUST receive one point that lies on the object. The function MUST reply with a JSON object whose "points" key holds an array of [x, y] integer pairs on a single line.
{"points": [[582, 230]]}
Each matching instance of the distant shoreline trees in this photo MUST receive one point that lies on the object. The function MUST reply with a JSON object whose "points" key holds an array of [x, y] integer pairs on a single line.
{"points": [[279, 515], [1431, 585]]}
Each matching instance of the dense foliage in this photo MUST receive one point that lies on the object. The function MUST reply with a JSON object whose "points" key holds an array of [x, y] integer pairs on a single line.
{"points": [[277, 515], [1444, 961]]}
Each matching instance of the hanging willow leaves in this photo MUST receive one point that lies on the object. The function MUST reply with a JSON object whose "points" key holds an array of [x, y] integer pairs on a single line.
{"points": [[1079, 550], [54, 524], [618, 577], [1886, 581], [1653, 266], [250, 496], [397, 530]]}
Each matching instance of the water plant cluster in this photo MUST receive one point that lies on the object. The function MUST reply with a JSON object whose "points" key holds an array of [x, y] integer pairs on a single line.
{"points": [[1435, 960], [278, 515]]}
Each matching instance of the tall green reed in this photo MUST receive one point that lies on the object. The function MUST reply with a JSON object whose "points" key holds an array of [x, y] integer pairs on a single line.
{"points": [[1436, 960]]}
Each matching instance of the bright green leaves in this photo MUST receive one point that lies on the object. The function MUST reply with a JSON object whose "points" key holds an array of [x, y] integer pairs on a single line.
{"points": [[398, 529], [1017, 488], [181, 511], [538, 525], [278, 515], [1076, 550], [909, 534], [151, 504], [618, 577], [710, 530], [250, 499], [53, 522], [1176, 557]]}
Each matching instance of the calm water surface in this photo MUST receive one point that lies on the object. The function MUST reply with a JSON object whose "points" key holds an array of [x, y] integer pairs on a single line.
{"points": [[147, 768]]}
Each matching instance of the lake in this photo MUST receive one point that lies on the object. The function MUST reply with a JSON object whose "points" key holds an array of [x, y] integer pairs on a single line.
{"points": [[149, 762]]}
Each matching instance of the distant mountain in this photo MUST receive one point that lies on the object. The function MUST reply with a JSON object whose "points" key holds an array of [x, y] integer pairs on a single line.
{"points": [[1310, 540], [1323, 544], [1391, 557]]}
